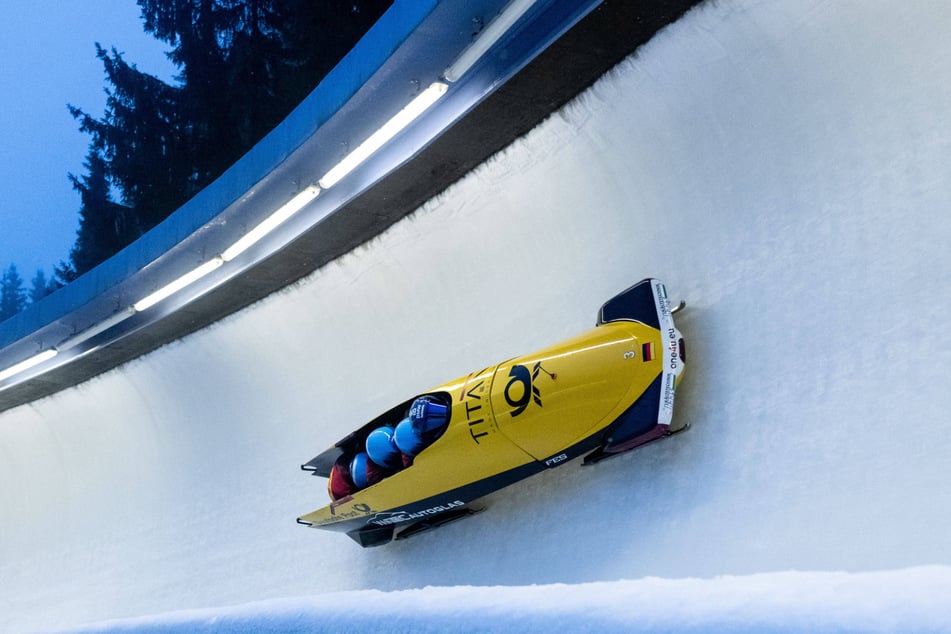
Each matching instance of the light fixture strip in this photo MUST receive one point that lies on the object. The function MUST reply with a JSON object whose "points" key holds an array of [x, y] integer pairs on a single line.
{"points": [[23, 366], [391, 128], [487, 38], [271, 223], [97, 329], [179, 284]]}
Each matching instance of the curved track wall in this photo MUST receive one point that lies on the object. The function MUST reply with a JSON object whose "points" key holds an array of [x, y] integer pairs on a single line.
{"points": [[781, 165]]}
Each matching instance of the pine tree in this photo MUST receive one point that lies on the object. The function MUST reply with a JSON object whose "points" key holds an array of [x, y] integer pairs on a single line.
{"points": [[104, 226], [12, 293], [40, 287], [63, 274], [243, 66], [318, 34], [142, 142]]}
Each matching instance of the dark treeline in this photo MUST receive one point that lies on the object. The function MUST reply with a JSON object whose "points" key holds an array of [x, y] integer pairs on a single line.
{"points": [[14, 296], [243, 65]]}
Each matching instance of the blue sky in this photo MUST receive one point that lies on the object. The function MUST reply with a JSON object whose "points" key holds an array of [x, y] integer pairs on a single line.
{"points": [[49, 61]]}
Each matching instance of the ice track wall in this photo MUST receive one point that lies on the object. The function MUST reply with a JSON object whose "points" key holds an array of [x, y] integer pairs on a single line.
{"points": [[782, 165]]}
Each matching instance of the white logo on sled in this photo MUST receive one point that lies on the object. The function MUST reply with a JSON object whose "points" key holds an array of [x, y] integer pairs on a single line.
{"points": [[660, 292], [403, 516]]}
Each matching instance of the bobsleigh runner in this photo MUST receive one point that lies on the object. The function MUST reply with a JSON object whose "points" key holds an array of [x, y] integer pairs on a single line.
{"points": [[424, 462]]}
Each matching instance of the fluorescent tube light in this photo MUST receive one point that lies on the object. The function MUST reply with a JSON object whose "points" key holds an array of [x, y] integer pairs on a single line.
{"points": [[99, 328], [177, 285], [487, 38], [271, 223], [23, 366], [391, 128]]}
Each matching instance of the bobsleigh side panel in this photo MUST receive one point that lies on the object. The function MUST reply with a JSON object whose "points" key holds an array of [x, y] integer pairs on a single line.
{"points": [[636, 421], [447, 503], [554, 398]]}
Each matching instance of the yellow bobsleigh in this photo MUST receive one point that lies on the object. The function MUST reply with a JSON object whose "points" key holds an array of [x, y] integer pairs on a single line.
{"points": [[606, 391]]}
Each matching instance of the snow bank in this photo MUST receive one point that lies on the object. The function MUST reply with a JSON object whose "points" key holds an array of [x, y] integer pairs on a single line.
{"points": [[914, 599]]}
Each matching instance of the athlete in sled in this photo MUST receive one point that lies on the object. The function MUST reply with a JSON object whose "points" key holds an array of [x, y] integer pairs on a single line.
{"points": [[421, 464]]}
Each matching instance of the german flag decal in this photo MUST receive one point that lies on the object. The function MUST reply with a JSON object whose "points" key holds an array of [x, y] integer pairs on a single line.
{"points": [[647, 351]]}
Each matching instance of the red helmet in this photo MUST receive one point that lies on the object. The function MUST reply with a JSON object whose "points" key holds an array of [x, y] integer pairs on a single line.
{"points": [[340, 484]]}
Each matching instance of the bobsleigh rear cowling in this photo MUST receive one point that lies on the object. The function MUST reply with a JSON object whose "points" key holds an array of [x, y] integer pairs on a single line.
{"points": [[598, 394]]}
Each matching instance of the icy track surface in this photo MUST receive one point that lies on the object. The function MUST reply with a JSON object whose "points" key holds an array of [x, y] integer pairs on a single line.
{"points": [[783, 165]]}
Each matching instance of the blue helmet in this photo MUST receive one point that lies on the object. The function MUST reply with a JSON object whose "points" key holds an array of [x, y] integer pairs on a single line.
{"points": [[407, 437], [358, 470], [427, 415], [382, 450]]}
